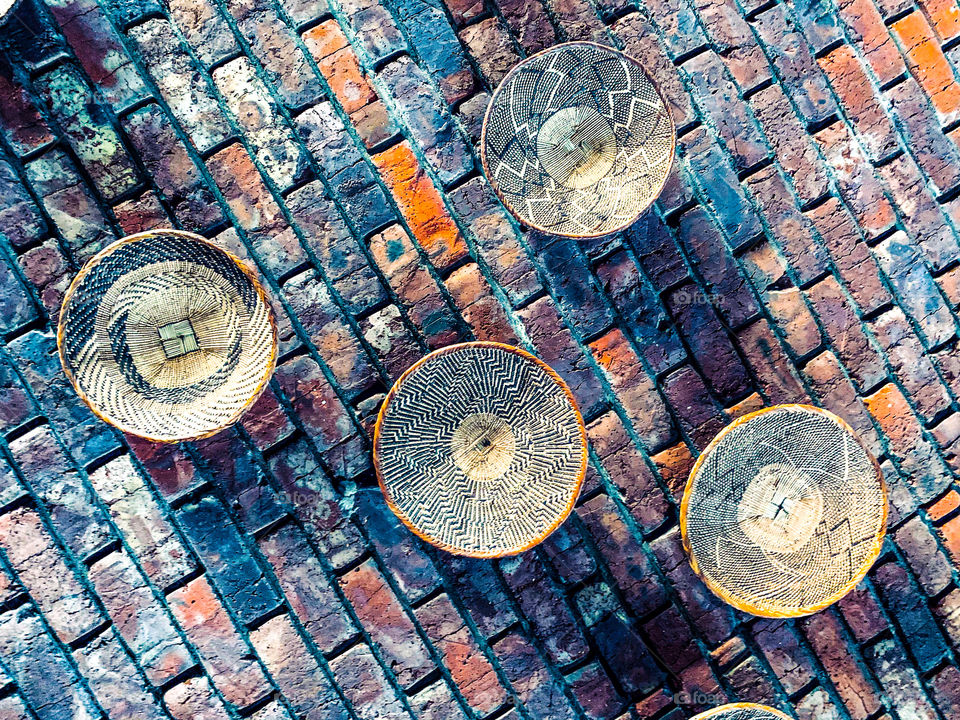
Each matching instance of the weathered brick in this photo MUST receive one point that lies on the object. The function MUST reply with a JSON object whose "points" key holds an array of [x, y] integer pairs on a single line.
{"points": [[187, 95], [391, 631], [296, 672], [42, 673], [224, 654], [112, 676], [929, 65], [232, 568], [458, 650]]}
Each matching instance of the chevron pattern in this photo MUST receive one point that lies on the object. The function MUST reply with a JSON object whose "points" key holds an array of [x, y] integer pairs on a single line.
{"points": [[112, 343], [480, 450], [577, 140], [784, 512], [742, 711]]}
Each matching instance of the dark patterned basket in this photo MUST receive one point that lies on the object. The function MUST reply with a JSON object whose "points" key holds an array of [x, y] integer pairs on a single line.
{"points": [[784, 512], [578, 140], [166, 336], [480, 449]]}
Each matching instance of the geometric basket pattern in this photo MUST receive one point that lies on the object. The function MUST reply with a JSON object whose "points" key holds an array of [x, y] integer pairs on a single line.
{"points": [[480, 449], [577, 140], [167, 336], [742, 711], [784, 511]]}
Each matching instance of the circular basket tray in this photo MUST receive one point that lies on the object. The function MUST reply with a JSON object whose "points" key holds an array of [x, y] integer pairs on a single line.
{"points": [[742, 711], [577, 140], [784, 512], [166, 336], [480, 449]]}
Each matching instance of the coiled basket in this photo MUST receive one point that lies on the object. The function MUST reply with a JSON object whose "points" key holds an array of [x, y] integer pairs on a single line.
{"points": [[784, 511], [480, 449], [167, 336], [578, 140]]}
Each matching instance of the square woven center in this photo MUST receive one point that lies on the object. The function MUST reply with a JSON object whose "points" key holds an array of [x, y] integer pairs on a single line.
{"points": [[178, 339]]}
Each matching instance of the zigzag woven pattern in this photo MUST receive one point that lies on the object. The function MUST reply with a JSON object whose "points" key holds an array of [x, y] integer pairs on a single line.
{"points": [[216, 360], [785, 511], [742, 711], [480, 449], [577, 140]]}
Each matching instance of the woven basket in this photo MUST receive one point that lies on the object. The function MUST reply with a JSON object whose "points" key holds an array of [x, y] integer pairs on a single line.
{"points": [[742, 711], [166, 336], [480, 449], [784, 512], [577, 140]]}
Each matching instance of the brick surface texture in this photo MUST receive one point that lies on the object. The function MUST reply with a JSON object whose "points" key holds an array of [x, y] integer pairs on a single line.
{"points": [[806, 248]]}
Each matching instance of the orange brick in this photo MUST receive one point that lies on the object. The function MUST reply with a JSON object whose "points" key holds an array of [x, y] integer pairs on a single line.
{"points": [[945, 16], [675, 464], [421, 206], [927, 63], [944, 506], [325, 39], [950, 535], [873, 38], [339, 65]]}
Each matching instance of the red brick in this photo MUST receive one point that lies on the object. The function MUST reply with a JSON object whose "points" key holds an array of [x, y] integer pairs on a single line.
{"points": [[872, 37], [490, 45], [839, 396], [421, 206], [858, 185], [891, 411], [142, 621], [141, 520], [309, 592], [295, 671], [21, 120], [400, 263], [480, 308], [194, 699], [555, 346], [944, 506], [862, 612], [225, 655], [64, 602], [391, 631], [635, 391], [783, 651], [846, 334], [470, 670], [339, 65], [114, 680], [171, 471], [860, 101], [777, 379], [850, 254], [944, 16], [929, 65]]}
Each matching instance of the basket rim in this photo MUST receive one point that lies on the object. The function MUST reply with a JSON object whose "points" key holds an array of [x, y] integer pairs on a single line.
{"points": [[436, 542], [740, 706], [519, 66], [147, 235], [805, 610]]}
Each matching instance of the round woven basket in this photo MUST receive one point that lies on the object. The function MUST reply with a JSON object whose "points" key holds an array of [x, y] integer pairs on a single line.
{"points": [[784, 511], [166, 336], [577, 140], [480, 449], [742, 711]]}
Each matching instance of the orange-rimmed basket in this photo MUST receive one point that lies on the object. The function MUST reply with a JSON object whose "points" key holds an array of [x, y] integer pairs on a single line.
{"points": [[578, 140], [480, 449], [742, 711], [166, 336], [784, 511]]}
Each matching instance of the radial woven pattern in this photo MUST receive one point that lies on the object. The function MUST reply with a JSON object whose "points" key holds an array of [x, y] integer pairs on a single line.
{"points": [[480, 449], [784, 512], [742, 711], [167, 336], [577, 140]]}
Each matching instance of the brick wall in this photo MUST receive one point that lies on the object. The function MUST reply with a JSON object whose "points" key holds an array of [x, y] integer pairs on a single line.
{"points": [[805, 250]]}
